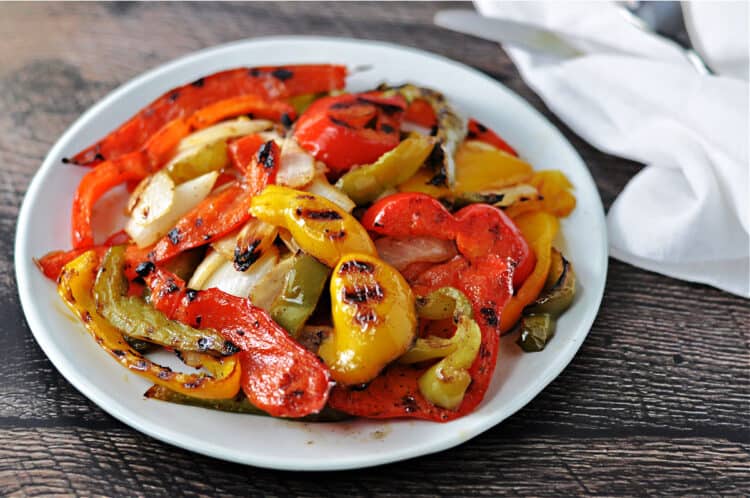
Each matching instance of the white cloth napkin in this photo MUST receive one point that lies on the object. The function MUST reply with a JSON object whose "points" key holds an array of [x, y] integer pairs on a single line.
{"points": [[686, 213]]}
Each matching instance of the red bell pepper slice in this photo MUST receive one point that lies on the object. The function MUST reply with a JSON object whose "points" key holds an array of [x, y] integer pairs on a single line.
{"points": [[347, 130], [243, 150], [421, 112], [219, 214], [395, 393], [477, 131], [409, 214], [268, 83], [279, 376]]}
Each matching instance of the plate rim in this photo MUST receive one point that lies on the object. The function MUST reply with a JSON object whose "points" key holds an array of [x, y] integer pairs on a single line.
{"points": [[177, 438]]}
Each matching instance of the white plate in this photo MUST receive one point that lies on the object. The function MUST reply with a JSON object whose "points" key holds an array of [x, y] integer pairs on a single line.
{"points": [[43, 225]]}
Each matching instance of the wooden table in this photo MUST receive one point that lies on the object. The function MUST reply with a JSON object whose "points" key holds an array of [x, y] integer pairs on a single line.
{"points": [[656, 401]]}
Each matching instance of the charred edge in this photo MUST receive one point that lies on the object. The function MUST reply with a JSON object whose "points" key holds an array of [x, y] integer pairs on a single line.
{"points": [[207, 236], [359, 387], [191, 294], [489, 315], [282, 74], [366, 294], [342, 105], [240, 332], [254, 72], [199, 82], [171, 287], [355, 266], [203, 343], [386, 128], [265, 155], [481, 127], [340, 122], [250, 115], [471, 135], [377, 224], [174, 236], [230, 348], [365, 317], [409, 404], [439, 180], [198, 222], [141, 365], [173, 96], [318, 214], [388, 109], [434, 130], [99, 157], [286, 120], [86, 317], [66, 160], [336, 235], [165, 373], [243, 259], [305, 197], [144, 269], [198, 320], [372, 123], [436, 158], [118, 352]]}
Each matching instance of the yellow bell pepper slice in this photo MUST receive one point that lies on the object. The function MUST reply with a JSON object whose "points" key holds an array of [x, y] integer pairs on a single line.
{"points": [[420, 182], [539, 228], [374, 319], [481, 167], [75, 287], [320, 227]]}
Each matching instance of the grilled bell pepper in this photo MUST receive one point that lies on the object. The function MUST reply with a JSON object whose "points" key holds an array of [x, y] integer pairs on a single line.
{"points": [[320, 227], [142, 321], [539, 228], [138, 164], [194, 163], [481, 167], [445, 383], [365, 183], [278, 375], [303, 286], [396, 392], [450, 129], [220, 213], [559, 289], [265, 82], [554, 195], [536, 332], [477, 131], [478, 230], [75, 287], [373, 318], [347, 130]]}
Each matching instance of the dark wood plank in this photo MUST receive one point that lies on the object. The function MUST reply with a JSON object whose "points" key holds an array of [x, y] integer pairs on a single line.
{"points": [[656, 401]]}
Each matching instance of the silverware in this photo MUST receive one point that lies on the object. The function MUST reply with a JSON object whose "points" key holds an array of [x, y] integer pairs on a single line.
{"points": [[664, 19], [518, 34]]}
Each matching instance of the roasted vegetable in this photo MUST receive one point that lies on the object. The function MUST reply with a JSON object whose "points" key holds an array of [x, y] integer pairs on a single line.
{"points": [[365, 183], [76, 284], [278, 375], [477, 131], [539, 229], [265, 82], [142, 321], [320, 227], [351, 129], [159, 204], [445, 383], [373, 317], [304, 284], [481, 167], [450, 129], [536, 332], [559, 291]]}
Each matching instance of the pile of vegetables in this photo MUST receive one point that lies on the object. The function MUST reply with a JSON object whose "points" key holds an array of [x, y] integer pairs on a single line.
{"points": [[313, 253]]}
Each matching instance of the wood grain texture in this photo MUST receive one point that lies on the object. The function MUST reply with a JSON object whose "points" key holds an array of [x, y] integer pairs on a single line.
{"points": [[655, 402]]}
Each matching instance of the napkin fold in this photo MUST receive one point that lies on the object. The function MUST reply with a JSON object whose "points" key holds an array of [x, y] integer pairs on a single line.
{"points": [[686, 213]]}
